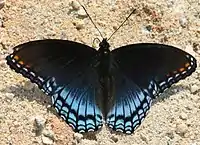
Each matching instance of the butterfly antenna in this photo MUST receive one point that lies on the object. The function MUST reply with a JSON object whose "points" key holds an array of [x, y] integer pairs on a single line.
{"points": [[91, 19], [122, 23]]}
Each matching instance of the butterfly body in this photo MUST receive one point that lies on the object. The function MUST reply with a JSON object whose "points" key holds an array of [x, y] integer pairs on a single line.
{"points": [[88, 87], [104, 72]]}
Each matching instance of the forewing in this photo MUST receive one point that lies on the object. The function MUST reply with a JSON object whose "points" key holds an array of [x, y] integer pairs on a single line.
{"points": [[157, 64], [64, 70]]}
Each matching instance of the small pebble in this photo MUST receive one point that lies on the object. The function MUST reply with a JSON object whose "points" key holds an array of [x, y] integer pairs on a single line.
{"points": [[115, 27], [75, 5], [63, 35], [9, 96], [144, 138], [2, 3], [170, 3], [194, 88], [78, 137], [183, 116], [181, 129], [3, 63], [81, 13], [16, 124], [114, 138], [39, 125], [170, 134], [149, 28], [49, 134], [188, 107], [28, 85], [146, 29], [79, 24], [46, 140], [183, 21], [196, 47]]}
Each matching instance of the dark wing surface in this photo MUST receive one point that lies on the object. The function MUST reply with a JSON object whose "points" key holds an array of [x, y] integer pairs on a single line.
{"points": [[64, 70], [141, 72]]}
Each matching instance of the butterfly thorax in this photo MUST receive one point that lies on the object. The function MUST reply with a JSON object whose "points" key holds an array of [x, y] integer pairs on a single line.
{"points": [[104, 57]]}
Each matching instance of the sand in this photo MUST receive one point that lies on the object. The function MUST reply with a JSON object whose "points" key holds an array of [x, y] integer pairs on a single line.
{"points": [[174, 118]]}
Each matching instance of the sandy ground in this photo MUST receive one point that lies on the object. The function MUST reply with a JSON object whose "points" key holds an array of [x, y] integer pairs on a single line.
{"points": [[173, 120]]}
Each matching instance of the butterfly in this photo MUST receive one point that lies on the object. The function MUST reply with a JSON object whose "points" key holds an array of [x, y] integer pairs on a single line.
{"points": [[90, 87]]}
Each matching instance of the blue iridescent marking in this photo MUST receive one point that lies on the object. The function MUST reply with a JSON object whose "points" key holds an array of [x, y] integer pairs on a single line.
{"points": [[81, 108], [127, 111], [140, 111], [119, 122], [136, 123], [65, 94], [72, 117], [128, 124], [135, 118], [64, 110], [59, 103]]}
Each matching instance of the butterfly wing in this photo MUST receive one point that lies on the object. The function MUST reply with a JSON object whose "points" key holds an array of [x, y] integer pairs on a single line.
{"points": [[131, 104], [64, 70], [140, 73]]}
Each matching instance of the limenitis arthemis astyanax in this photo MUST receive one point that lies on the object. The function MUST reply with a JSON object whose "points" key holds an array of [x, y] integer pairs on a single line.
{"points": [[89, 86]]}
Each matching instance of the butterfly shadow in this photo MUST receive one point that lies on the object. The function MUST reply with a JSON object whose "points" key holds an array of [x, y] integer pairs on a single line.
{"points": [[169, 92], [31, 94], [92, 135]]}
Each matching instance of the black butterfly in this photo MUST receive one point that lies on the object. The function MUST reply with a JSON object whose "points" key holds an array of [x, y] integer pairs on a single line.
{"points": [[89, 86]]}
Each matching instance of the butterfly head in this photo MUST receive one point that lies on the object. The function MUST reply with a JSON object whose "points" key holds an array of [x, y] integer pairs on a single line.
{"points": [[104, 45]]}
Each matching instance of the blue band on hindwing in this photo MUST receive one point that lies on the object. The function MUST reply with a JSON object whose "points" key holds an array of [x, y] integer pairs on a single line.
{"points": [[75, 106]]}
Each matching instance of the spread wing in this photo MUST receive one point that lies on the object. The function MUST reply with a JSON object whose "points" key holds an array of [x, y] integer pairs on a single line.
{"points": [[64, 70], [141, 72]]}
